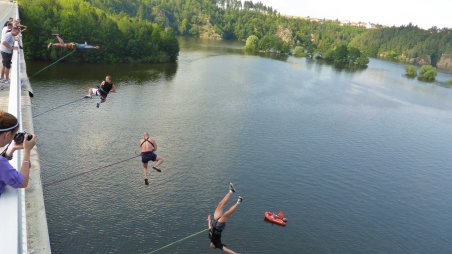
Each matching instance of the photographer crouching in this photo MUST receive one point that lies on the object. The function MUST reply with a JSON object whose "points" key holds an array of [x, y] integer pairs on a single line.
{"points": [[13, 141]]}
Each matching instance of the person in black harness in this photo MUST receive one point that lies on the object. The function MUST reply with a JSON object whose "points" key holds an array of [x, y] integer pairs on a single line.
{"points": [[148, 146], [102, 90], [217, 225]]}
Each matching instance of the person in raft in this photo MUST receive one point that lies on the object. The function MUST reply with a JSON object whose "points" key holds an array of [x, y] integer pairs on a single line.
{"points": [[102, 90], [70, 45], [148, 147], [217, 225], [8, 174]]}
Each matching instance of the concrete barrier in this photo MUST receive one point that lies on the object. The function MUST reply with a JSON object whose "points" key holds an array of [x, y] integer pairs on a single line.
{"points": [[23, 223]]}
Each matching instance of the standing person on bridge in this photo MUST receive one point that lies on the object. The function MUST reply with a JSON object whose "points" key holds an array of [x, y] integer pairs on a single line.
{"points": [[6, 48], [217, 225], [102, 90], [7, 28], [71, 45], [8, 133], [148, 146]]}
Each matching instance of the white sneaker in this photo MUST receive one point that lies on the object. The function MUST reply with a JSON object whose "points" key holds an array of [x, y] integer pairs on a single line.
{"points": [[6, 82]]}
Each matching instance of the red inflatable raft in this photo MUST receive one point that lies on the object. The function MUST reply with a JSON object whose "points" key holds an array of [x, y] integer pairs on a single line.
{"points": [[276, 218]]}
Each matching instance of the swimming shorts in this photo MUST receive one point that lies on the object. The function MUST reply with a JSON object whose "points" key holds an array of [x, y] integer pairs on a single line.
{"points": [[6, 60], [148, 156]]}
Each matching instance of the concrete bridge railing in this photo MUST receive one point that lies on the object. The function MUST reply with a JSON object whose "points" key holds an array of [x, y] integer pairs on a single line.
{"points": [[17, 235]]}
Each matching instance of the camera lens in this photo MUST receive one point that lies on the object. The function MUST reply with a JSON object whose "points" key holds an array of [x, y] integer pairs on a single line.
{"points": [[19, 137]]}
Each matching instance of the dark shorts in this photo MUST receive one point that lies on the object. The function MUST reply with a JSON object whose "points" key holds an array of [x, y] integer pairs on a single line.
{"points": [[6, 60], [148, 156]]}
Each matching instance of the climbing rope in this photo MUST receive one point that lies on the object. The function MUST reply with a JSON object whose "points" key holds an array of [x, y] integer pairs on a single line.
{"points": [[178, 241], [57, 107], [89, 171], [52, 64]]}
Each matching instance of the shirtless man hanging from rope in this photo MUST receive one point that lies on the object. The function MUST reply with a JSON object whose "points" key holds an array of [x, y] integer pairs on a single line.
{"points": [[148, 146]]}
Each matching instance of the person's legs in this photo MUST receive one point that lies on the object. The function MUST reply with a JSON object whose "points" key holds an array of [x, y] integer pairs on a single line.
{"points": [[3, 73], [60, 45], [60, 40], [90, 92], [6, 61], [145, 169], [219, 210], [145, 173], [158, 161], [6, 73], [229, 212]]}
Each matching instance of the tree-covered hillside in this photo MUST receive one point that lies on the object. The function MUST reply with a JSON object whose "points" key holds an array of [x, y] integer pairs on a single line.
{"points": [[144, 29], [237, 20], [122, 38], [405, 43]]}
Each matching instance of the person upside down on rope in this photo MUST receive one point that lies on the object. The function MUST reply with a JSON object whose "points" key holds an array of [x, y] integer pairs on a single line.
{"points": [[70, 45], [217, 225]]}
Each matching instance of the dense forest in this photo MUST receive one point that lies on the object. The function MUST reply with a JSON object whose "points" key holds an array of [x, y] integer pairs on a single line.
{"points": [[234, 20], [122, 38], [406, 43], [144, 29]]}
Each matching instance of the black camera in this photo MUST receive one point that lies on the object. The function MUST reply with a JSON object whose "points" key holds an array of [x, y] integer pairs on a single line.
{"points": [[19, 137]]}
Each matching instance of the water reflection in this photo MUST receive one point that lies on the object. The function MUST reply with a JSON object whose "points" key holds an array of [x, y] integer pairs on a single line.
{"points": [[136, 73]]}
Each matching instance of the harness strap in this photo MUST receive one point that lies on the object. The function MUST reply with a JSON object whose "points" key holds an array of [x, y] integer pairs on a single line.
{"points": [[147, 139]]}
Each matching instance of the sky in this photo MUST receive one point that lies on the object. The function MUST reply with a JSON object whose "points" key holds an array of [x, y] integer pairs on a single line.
{"points": [[385, 12]]}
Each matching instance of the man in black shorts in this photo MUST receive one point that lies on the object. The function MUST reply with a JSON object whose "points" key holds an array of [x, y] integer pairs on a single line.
{"points": [[6, 48], [217, 225], [148, 146], [102, 90]]}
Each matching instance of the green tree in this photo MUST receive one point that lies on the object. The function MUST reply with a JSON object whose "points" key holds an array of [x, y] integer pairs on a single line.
{"points": [[427, 73], [251, 44], [346, 57], [411, 71], [299, 51]]}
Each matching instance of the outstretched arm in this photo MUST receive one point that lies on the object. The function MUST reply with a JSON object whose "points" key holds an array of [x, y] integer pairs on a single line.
{"points": [[229, 251], [154, 144], [208, 221]]}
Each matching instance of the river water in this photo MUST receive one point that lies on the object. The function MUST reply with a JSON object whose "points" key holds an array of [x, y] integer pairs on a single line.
{"points": [[359, 162]]}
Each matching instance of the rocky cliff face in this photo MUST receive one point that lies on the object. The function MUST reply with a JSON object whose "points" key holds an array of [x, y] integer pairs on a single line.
{"points": [[445, 62], [286, 35]]}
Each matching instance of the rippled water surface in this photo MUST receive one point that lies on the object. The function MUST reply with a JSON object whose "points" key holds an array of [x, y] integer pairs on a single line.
{"points": [[360, 162]]}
